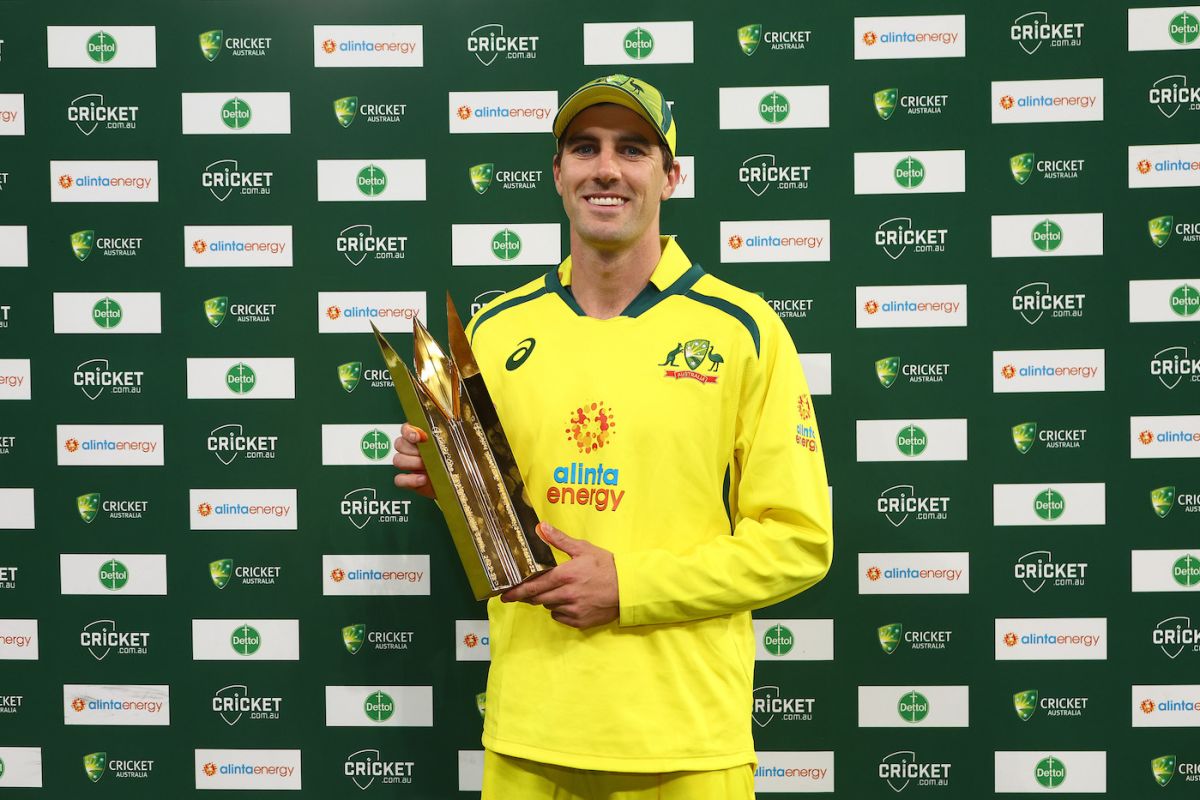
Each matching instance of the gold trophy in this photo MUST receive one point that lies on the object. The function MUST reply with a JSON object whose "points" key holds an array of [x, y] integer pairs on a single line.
{"points": [[468, 459]]}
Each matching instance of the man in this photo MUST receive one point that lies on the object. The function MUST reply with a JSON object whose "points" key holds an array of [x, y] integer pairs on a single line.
{"points": [[679, 498]]}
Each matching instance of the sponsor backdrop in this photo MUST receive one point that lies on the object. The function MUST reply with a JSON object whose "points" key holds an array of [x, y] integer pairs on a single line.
{"points": [[981, 228]]}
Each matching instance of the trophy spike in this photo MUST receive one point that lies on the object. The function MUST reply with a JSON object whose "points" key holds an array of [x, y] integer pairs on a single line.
{"points": [[436, 373], [460, 348]]}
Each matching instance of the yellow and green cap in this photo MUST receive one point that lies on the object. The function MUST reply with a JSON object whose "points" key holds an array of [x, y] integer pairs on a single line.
{"points": [[632, 93]]}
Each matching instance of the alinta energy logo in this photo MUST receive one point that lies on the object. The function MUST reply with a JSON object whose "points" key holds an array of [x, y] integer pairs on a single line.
{"points": [[214, 42], [245, 640], [347, 109], [1162, 227], [1176, 634], [752, 37], [900, 502], [89, 111], [224, 570], [225, 177], [911, 440], [1145, 166], [909, 173], [230, 440], [103, 635], [94, 376], [1028, 702], [1053, 101], [1173, 365], [85, 242], [888, 100], [358, 242], [806, 242], [1026, 434], [1033, 29], [1149, 437], [761, 172], [1035, 300], [506, 244], [902, 767], [483, 176], [113, 575], [352, 373], [218, 309], [1037, 568], [236, 701], [774, 108], [891, 368], [770, 702], [358, 635], [490, 41], [1170, 93], [363, 505], [892, 635], [90, 505], [778, 640], [332, 46], [1024, 166]]}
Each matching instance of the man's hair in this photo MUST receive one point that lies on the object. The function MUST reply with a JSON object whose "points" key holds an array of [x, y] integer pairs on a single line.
{"points": [[668, 160]]}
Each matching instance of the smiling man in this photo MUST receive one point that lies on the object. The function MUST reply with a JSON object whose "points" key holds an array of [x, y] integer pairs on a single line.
{"points": [[666, 435]]}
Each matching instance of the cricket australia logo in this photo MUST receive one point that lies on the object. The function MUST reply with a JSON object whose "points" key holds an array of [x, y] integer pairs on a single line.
{"points": [[695, 352]]}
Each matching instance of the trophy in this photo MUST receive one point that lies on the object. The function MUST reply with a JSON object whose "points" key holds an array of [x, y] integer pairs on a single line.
{"points": [[468, 459]]}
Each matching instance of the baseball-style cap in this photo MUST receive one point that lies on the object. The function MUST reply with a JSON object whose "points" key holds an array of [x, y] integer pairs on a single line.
{"points": [[633, 93]]}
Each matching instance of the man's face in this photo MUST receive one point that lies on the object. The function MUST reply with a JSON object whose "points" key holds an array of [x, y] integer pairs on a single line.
{"points": [[611, 176]]}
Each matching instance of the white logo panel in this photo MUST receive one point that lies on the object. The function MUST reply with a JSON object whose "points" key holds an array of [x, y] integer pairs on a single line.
{"points": [[237, 245], [378, 706], [355, 445], [18, 640], [110, 445], [370, 180], [914, 573], [103, 181], [1159, 165], [238, 639], [22, 767], [14, 245], [1166, 706], [96, 573], [1164, 437], [1053, 771], [1050, 504], [374, 575], [125, 704], [818, 371], [1160, 28], [16, 380], [1047, 235], [111, 313], [793, 639], [910, 172], [237, 113], [16, 509], [1165, 571], [764, 241], [353, 312], [637, 43], [1077, 100], [472, 640], [243, 509], [1173, 300], [793, 771], [933, 36], [502, 112], [931, 306], [241, 378], [100, 47], [1052, 639], [505, 244], [906, 706], [368, 46], [772, 107], [1047, 371], [248, 769], [12, 115], [911, 439]]}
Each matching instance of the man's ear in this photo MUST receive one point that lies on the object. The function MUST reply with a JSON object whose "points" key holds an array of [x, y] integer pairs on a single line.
{"points": [[555, 164], [673, 176]]}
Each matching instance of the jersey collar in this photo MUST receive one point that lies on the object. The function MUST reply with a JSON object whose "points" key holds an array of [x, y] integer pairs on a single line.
{"points": [[674, 268]]}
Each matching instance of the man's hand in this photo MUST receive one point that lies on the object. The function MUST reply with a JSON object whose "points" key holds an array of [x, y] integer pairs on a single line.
{"points": [[581, 592], [407, 458]]}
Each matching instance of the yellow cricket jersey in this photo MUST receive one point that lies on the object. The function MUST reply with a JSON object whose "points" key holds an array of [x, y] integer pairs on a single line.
{"points": [[626, 431]]}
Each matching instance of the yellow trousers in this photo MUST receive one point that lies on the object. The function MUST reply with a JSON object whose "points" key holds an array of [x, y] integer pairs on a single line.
{"points": [[507, 778]]}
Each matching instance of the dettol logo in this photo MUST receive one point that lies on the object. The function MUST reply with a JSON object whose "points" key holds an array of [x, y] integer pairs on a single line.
{"points": [[101, 47], [778, 640], [379, 706], [235, 113], [913, 706], [639, 44], [1050, 772], [1049, 505], [245, 640], [113, 575]]}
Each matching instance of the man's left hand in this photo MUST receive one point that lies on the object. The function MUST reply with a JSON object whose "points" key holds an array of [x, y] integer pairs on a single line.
{"points": [[581, 592]]}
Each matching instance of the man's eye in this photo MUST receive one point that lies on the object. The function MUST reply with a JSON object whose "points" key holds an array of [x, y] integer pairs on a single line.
{"points": [[633, 150], [584, 149]]}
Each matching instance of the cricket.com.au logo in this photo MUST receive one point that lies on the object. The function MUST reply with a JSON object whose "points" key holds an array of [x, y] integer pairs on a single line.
{"points": [[226, 570], [1035, 300], [85, 243], [218, 309], [364, 767], [8, 580], [891, 368], [235, 702], [1035, 28], [1175, 635], [895, 634], [90, 111], [230, 440], [1024, 166], [1038, 568], [1171, 93], [1027, 434], [770, 703], [753, 37], [92, 504], [887, 101], [359, 242], [359, 634], [1162, 228], [1028, 702], [1166, 498], [485, 176], [352, 373], [901, 502], [363, 505], [763, 171], [100, 637], [898, 235], [95, 376], [347, 109], [226, 177], [489, 42], [213, 43], [902, 767]]}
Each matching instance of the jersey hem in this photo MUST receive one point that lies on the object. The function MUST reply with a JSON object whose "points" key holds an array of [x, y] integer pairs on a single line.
{"points": [[603, 763]]}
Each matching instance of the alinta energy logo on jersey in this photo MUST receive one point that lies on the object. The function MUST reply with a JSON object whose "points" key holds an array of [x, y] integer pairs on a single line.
{"points": [[753, 37], [226, 177], [763, 171], [219, 309], [901, 768], [236, 702], [359, 635], [589, 428], [223, 571], [895, 634], [95, 376], [1024, 166], [215, 42], [1172, 93], [888, 100], [902, 502], [1176, 635], [85, 243], [92, 504], [230, 440], [1033, 29], [1028, 702], [359, 242], [1026, 434], [103, 636], [1035, 300], [696, 353], [1039, 567], [1162, 227], [490, 41], [891, 368], [352, 373], [770, 704], [347, 109], [364, 767], [484, 176], [363, 505], [90, 111]]}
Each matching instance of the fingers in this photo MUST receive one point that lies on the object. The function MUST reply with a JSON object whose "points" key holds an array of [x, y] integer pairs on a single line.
{"points": [[535, 586], [409, 461], [414, 481], [410, 436]]}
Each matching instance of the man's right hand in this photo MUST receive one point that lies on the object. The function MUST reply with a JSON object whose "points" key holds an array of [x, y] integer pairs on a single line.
{"points": [[408, 460]]}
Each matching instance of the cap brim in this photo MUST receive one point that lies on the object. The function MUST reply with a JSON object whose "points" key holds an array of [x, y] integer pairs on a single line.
{"points": [[593, 95]]}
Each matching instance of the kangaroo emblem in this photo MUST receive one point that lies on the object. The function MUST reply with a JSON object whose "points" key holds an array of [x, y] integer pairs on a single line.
{"points": [[671, 356]]}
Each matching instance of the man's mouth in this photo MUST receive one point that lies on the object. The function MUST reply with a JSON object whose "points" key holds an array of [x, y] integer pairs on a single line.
{"points": [[605, 200]]}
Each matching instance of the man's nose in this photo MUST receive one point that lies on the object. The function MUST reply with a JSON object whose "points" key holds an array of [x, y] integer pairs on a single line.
{"points": [[607, 168]]}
